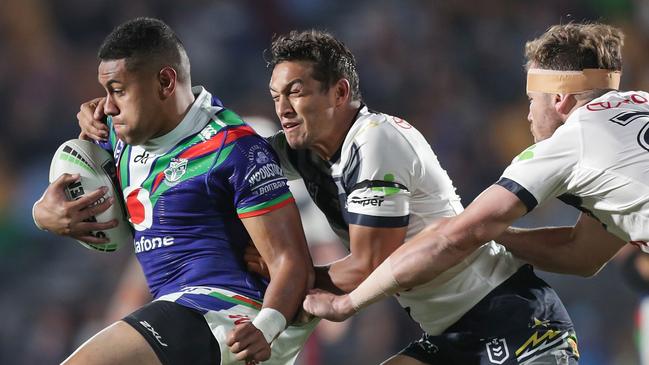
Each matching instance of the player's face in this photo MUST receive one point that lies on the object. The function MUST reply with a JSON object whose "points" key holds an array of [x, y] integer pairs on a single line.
{"points": [[304, 109], [132, 100], [544, 118]]}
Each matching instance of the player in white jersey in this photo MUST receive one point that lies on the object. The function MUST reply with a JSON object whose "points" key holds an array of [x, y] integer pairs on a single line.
{"points": [[387, 176], [592, 152], [378, 182], [597, 161]]}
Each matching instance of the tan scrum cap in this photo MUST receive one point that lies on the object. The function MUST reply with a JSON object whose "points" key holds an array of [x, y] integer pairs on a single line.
{"points": [[570, 82]]}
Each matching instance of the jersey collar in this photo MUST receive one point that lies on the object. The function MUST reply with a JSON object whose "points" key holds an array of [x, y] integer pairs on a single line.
{"points": [[362, 110], [199, 114]]}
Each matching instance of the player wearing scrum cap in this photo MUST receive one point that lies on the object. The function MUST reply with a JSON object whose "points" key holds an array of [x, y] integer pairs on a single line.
{"points": [[591, 151]]}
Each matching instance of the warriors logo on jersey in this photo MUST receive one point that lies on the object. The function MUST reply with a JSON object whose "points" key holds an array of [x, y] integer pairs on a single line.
{"points": [[175, 171]]}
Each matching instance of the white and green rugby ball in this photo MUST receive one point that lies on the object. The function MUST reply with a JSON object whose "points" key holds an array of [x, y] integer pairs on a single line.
{"points": [[96, 168]]}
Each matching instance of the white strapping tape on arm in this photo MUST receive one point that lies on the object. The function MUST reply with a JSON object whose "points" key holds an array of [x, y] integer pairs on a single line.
{"points": [[270, 322], [34, 215]]}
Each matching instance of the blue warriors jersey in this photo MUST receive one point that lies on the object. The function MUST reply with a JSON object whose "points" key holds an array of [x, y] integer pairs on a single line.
{"points": [[186, 193]]}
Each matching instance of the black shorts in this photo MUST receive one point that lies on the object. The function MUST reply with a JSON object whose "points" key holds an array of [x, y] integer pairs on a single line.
{"points": [[178, 335], [520, 321]]}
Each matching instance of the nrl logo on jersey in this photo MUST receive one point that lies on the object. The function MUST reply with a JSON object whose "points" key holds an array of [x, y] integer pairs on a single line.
{"points": [[497, 351], [176, 170]]}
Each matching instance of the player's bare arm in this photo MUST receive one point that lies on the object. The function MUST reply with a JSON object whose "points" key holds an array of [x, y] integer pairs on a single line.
{"points": [[428, 254], [91, 120], [55, 213], [433, 251], [580, 250], [369, 247], [279, 237]]}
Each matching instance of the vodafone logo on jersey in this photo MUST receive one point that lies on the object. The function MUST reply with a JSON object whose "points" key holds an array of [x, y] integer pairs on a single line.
{"points": [[140, 210]]}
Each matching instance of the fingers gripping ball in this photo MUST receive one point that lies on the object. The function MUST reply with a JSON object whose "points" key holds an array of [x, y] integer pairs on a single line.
{"points": [[96, 168]]}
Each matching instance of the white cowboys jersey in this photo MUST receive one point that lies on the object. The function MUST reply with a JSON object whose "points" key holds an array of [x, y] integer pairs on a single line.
{"points": [[598, 161], [386, 175]]}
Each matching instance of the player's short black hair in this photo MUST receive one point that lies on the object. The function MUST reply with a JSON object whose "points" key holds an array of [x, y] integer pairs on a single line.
{"points": [[146, 41], [331, 59]]}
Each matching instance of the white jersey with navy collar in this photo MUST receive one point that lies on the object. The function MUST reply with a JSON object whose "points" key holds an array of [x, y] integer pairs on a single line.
{"points": [[386, 175], [598, 161]]}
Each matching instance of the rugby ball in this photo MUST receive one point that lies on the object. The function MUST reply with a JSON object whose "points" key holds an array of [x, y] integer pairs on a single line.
{"points": [[96, 168]]}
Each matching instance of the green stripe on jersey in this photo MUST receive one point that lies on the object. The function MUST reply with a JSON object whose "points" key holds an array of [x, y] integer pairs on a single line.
{"points": [[163, 162], [225, 152], [123, 166], [267, 204], [112, 136], [253, 303], [229, 117], [195, 168]]}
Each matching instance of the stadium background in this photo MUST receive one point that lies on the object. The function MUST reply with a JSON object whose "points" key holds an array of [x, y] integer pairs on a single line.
{"points": [[453, 69]]}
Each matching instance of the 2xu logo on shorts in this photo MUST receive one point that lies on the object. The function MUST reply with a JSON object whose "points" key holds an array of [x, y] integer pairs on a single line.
{"points": [[155, 334]]}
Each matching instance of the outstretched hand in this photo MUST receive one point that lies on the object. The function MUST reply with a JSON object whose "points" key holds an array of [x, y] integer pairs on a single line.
{"points": [[91, 120], [55, 213], [329, 306]]}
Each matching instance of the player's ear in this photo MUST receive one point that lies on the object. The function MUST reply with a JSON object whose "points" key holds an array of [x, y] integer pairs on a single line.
{"points": [[343, 91], [564, 103], [167, 78]]}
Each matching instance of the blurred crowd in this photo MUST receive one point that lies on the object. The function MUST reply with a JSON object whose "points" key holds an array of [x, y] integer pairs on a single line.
{"points": [[454, 69]]}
